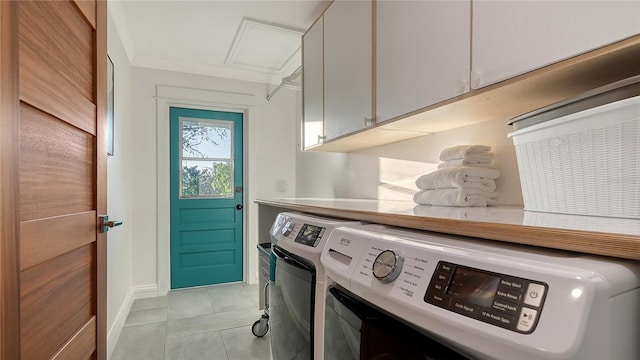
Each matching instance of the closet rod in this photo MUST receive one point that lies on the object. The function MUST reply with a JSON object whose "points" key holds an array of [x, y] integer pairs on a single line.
{"points": [[286, 81]]}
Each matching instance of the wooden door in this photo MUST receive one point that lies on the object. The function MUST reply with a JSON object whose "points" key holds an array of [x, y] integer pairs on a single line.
{"points": [[206, 197], [53, 179]]}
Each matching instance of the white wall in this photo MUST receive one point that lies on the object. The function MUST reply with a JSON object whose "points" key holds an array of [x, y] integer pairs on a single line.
{"points": [[119, 196], [271, 137], [132, 249], [389, 171]]}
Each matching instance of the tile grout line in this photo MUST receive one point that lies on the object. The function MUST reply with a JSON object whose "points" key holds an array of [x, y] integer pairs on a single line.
{"points": [[245, 293], [226, 352], [166, 328]]}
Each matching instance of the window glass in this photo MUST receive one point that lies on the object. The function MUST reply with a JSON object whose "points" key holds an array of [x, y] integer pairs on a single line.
{"points": [[207, 158]]}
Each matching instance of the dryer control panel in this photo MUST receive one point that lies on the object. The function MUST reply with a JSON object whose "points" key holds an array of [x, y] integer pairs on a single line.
{"points": [[510, 302], [310, 235]]}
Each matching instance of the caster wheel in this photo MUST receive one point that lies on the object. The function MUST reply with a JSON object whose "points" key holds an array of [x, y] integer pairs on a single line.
{"points": [[260, 327]]}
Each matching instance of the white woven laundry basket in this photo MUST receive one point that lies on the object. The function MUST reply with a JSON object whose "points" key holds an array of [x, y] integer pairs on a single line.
{"points": [[585, 163]]}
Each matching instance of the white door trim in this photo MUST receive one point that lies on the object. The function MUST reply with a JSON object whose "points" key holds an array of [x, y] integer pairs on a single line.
{"points": [[166, 97]]}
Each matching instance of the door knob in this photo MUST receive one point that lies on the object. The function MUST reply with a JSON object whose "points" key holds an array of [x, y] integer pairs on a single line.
{"points": [[239, 207], [106, 224]]}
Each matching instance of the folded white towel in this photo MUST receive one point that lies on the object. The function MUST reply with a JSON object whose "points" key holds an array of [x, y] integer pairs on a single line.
{"points": [[459, 177], [463, 151], [479, 157], [474, 173], [455, 197], [465, 162], [454, 212]]}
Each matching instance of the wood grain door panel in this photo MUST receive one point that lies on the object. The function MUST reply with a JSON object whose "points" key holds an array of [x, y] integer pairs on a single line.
{"points": [[56, 61], [57, 163], [56, 301], [56, 38], [44, 239], [81, 345]]}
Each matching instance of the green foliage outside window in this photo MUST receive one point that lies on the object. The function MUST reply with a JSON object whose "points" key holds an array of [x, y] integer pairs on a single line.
{"points": [[216, 181]]}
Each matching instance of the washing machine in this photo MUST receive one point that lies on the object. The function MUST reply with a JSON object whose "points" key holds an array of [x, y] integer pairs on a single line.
{"points": [[407, 294], [296, 296]]}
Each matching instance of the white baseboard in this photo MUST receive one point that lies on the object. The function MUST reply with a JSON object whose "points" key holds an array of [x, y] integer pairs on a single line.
{"points": [[136, 292], [118, 324], [145, 291]]}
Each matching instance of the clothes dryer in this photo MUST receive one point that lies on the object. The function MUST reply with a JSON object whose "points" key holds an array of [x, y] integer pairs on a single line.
{"points": [[296, 296]]}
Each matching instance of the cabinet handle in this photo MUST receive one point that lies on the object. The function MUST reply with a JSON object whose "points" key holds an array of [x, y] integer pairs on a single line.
{"points": [[463, 86], [368, 121], [476, 77]]}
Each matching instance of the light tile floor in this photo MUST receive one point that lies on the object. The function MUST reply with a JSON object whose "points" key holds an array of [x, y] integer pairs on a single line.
{"points": [[211, 322]]}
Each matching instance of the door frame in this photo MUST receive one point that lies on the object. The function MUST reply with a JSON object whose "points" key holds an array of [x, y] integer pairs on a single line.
{"points": [[172, 96], [9, 184]]}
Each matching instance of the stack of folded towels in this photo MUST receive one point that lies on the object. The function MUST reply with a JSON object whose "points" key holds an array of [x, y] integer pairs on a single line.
{"points": [[464, 178]]}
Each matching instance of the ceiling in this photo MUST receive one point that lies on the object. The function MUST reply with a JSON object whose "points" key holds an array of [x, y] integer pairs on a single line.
{"points": [[257, 40]]}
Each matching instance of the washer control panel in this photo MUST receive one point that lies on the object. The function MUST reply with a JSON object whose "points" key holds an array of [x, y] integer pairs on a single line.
{"points": [[387, 266], [509, 302]]}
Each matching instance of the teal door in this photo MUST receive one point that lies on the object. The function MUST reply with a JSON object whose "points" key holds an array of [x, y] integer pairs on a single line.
{"points": [[206, 197]]}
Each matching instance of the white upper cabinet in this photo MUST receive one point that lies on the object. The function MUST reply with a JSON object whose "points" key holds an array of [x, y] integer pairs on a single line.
{"points": [[348, 67], [514, 37], [422, 54], [312, 79]]}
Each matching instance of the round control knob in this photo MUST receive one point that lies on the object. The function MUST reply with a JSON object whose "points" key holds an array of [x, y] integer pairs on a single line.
{"points": [[387, 266], [287, 228]]}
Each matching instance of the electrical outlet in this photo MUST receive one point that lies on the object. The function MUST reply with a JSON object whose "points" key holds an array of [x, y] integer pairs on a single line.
{"points": [[281, 185]]}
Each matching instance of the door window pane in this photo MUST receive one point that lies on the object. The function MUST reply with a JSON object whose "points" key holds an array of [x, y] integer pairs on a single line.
{"points": [[207, 158], [206, 139], [207, 179]]}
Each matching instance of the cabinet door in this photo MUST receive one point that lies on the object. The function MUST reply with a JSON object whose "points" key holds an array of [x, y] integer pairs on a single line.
{"points": [[347, 67], [422, 54], [513, 37], [312, 89]]}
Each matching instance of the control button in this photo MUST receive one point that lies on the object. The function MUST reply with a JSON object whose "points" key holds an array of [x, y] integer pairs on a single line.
{"points": [[527, 319], [465, 309], [387, 266], [445, 268], [437, 287], [507, 294], [496, 318], [437, 299], [505, 307], [534, 294], [513, 284], [287, 228], [441, 277]]}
